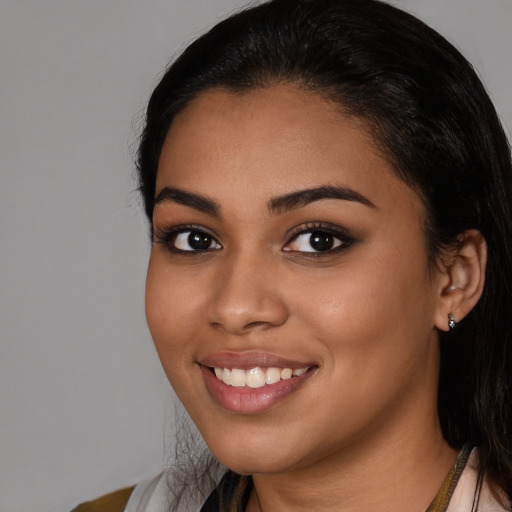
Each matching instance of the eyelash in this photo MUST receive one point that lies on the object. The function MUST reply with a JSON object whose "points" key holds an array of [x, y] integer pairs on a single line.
{"points": [[167, 236]]}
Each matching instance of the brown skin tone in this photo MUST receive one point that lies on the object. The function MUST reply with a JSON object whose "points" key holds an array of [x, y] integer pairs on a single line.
{"points": [[363, 430]]}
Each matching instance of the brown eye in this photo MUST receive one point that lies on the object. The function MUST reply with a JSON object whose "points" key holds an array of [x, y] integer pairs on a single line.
{"points": [[194, 241], [199, 241], [321, 241]]}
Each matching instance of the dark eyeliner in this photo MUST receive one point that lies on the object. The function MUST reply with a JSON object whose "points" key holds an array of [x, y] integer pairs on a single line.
{"points": [[339, 232]]}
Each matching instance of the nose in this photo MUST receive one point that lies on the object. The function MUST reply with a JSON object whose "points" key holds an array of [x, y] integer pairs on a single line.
{"points": [[246, 297]]}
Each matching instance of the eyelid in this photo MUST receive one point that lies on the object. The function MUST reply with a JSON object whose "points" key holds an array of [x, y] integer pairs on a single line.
{"points": [[329, 227]]}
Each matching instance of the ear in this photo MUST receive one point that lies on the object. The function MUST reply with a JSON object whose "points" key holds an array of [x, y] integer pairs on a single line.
{"points": [[462, 278]]}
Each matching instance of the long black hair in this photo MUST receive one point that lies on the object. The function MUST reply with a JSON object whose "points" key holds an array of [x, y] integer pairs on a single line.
{"points": [[426, 108]]}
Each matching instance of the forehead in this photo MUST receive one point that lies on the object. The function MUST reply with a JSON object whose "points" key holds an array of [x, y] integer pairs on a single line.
{"points": [[271, 141]]}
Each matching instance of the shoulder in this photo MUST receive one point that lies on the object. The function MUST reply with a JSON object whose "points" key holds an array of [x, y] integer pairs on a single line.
{"points": [[147, 496], [475, 491], [153, 495], [113, 502]]}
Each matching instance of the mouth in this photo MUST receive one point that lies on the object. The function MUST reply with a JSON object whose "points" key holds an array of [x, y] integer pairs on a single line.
{"points": [[253, 384]]}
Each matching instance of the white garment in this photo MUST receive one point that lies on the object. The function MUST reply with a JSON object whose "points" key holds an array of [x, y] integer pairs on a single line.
{"points": [[469, 496], [149, 496], [153, 496]]}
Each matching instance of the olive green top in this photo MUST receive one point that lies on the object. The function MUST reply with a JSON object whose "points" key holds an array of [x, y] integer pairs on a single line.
{"points": [[113, 502]]}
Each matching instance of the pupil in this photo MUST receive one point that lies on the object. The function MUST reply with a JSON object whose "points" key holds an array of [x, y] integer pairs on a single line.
{"points": [[199, 241], [321, 241]]}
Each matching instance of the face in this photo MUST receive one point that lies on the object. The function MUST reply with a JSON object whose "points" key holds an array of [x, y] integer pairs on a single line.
{"points": [[288, 293]]}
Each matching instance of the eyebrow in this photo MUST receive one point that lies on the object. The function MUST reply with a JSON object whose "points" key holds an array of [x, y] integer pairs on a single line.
{"points": [[301, 198], [190, 199], [276, 205]]}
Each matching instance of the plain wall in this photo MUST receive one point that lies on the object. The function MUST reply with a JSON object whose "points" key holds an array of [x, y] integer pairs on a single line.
{"points": [[84, 405]]}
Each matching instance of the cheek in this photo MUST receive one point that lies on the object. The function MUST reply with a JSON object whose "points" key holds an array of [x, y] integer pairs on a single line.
{"points": [[172, 317], [372, 312], [375, 333], [171, 311]]}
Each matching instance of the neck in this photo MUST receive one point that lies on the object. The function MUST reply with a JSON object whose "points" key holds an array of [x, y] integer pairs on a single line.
{"points": [[405, 469]]}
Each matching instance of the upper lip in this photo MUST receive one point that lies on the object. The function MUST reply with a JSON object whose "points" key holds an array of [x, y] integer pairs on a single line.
{"points": [[248, 360]]}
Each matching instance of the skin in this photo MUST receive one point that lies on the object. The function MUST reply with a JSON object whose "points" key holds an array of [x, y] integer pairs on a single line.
{"points": [[363, 429]]}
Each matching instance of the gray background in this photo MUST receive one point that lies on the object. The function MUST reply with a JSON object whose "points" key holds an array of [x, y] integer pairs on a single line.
{"points": [[84, 405]]}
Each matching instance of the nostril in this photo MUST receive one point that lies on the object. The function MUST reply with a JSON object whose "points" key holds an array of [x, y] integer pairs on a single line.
{"points": [[256, 325]]}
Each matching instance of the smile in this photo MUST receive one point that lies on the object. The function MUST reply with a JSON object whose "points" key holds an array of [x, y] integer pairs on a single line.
{"points": [[256, 377], [256, 389]]}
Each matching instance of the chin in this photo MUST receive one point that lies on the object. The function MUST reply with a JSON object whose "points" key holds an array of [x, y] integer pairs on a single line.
{"points": [[255, 465], [254, 458]]}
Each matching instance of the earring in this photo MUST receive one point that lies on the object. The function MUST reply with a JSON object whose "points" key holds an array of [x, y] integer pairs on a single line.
{"points": [[451, 322]]}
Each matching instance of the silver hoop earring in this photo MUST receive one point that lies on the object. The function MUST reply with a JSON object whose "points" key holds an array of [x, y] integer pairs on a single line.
{"points": [[451, 322]]}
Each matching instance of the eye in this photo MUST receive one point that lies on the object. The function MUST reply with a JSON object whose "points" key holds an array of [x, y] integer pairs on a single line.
{"points": [[194, 241], [187, 240], [318, 241]]}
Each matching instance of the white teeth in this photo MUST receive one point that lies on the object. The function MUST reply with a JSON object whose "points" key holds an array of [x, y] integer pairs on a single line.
{"points": [[256, 377], [238, 378], [273, 375], [286, 373], [226, 376]]}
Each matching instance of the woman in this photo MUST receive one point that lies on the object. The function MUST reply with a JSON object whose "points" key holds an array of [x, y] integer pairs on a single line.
{"points": [[329, 289]]}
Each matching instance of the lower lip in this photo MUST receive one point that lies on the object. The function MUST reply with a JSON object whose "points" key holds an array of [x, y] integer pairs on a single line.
{"points": [[251, 400]]}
